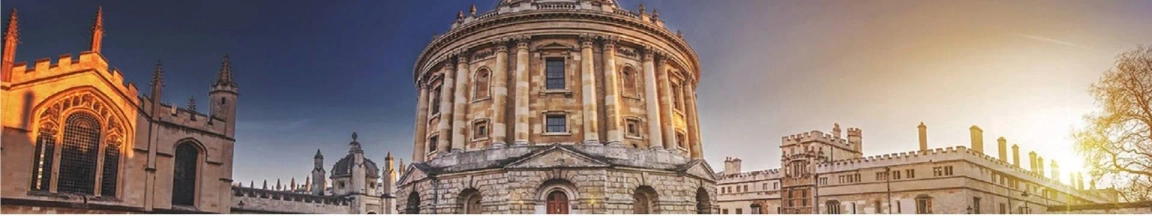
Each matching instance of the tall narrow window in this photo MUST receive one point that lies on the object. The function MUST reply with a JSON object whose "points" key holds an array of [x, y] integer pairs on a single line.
{"points": [[629, 78], [184, 176], [435, 106], [677, 100], [42, 169], [481, 87], [554, 73], [976, 205], [680, 140], [832, 207], [923, 204], [79, 154], [432, 141], [557, 123], [111, 168]]}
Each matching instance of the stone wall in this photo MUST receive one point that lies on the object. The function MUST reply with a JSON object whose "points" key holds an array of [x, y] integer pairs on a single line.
{"points": [[260, 201]]}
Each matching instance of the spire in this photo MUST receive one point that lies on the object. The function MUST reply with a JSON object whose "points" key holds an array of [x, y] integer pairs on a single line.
{"points": [[224, 76], [11, 38], [13, 21], [251, 184], [278, 187], [98, 30], [318, 155], [389, 157], [308, 184], [158, 76], [293, 183], [265, 184], [192, 104]]}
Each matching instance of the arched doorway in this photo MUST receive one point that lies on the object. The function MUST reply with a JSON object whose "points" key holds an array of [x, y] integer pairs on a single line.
{"points": [[703, 203], [644, 200], [470, 202], [413, 205], [184, 174], [557, 202]]}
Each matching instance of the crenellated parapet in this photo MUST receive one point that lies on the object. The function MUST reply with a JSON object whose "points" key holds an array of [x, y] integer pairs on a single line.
{"points": [[46, 68], [270, 201], [182, 117], [814, 136], [752, 176]]}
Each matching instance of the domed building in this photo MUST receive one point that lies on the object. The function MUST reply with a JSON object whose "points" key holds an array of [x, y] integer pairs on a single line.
{"points": [[557, 106]]}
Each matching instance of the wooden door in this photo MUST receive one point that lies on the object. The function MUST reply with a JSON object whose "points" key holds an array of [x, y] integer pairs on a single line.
{"points": [[557, 203]]}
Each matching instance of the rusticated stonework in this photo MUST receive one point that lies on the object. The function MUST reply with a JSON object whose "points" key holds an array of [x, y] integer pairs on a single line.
{"points": [[562, 106]]}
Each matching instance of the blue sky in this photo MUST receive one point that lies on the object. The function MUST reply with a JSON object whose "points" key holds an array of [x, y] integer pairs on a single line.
{"points": [[312, 72]]}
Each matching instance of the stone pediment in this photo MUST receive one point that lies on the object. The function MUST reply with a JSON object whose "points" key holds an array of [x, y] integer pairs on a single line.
{"points": [[555, 46], [557, 156], [411, 173], [700, 168]]}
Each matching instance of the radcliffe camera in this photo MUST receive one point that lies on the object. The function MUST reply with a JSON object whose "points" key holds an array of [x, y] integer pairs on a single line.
{"points": [[576, 107]]}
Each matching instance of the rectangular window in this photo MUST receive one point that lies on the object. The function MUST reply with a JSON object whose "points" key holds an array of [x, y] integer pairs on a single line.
{"points": [[724, 211], [633, 127], [911, 173], [947, 170], [923, 205], [1003, 209], [480, 130], [764, 186], [554, 73], [557, 123], [775, 185], [432, 143], [677, 102], [881, 176], [435, 106], [896, 175], [739, 211]]}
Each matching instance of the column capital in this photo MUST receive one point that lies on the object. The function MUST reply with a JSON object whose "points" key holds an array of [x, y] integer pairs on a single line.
{"points": [[587, 39], [501, 45], [609, 41], [522, 41]]}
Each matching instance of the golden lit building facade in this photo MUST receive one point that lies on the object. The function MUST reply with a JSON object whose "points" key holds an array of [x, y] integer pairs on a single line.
{"points": [[828, 174], [78, 139], [557, 106]]}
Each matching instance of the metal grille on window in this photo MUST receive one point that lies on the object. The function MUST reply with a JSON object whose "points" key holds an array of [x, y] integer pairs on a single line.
{"points": [[111, 168], [79, 154], [555, 73], [184, 178], [557, 124], [42, 169]]}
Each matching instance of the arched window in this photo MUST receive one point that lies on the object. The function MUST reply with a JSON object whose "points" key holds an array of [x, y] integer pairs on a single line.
{"points": [[703, 205], [832, 207], [557, 202], [643, 200], [470, 202], [413, 205], [111, 167], [629, 78], [481, 85], [79, 155], [184, 176]]}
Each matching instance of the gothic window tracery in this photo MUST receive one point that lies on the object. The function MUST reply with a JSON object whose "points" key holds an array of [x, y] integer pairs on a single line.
{"points": [[79, 139]]}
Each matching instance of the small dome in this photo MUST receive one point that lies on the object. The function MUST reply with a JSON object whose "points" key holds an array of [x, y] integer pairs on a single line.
{"points": [[343, 167]]}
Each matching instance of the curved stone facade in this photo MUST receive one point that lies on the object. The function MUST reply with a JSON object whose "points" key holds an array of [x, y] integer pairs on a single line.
{"points": [[578, 97]]}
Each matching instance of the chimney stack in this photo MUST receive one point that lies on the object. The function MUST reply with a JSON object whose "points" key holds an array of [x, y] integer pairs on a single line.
{"points": [[977, 139], [1002, 145], [923, 137], [1016, 155], [836, 130], [1032, 161], [1040, 165]]}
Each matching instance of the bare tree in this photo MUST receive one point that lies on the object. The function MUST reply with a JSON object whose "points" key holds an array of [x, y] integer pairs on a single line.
{"points": [[1117, 141]]}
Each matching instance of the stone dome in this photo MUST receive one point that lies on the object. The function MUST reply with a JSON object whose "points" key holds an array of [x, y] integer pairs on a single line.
{"points": [[343, 167]]}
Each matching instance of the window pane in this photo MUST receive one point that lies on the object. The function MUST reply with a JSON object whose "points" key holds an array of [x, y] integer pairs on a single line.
{"points": [[42, 170], [555, 73], [78, 157], [184, 178]]}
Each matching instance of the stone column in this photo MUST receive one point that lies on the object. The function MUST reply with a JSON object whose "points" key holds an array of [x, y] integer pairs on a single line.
{"points": [[651, 105], [612, 93], [665, 104], [500, 101], [446, 87], [418, 149], [521, 76], [696, 151], [459, 122], [588, 81]]}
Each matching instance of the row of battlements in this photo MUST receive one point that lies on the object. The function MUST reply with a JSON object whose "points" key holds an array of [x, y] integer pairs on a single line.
{"points": [[957, 152], [238, 191], [186, 117], [817, 136], [765, 174], [88, 60]]}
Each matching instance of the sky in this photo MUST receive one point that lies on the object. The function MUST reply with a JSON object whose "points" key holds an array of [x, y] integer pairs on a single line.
{"points": [[312, 72]]}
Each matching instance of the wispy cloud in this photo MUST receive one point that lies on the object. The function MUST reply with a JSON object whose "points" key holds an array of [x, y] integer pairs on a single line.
{"points": [[1051, 40]]}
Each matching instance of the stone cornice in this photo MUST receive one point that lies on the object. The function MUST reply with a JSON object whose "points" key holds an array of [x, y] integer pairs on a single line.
{"points": [[426, 59]]}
